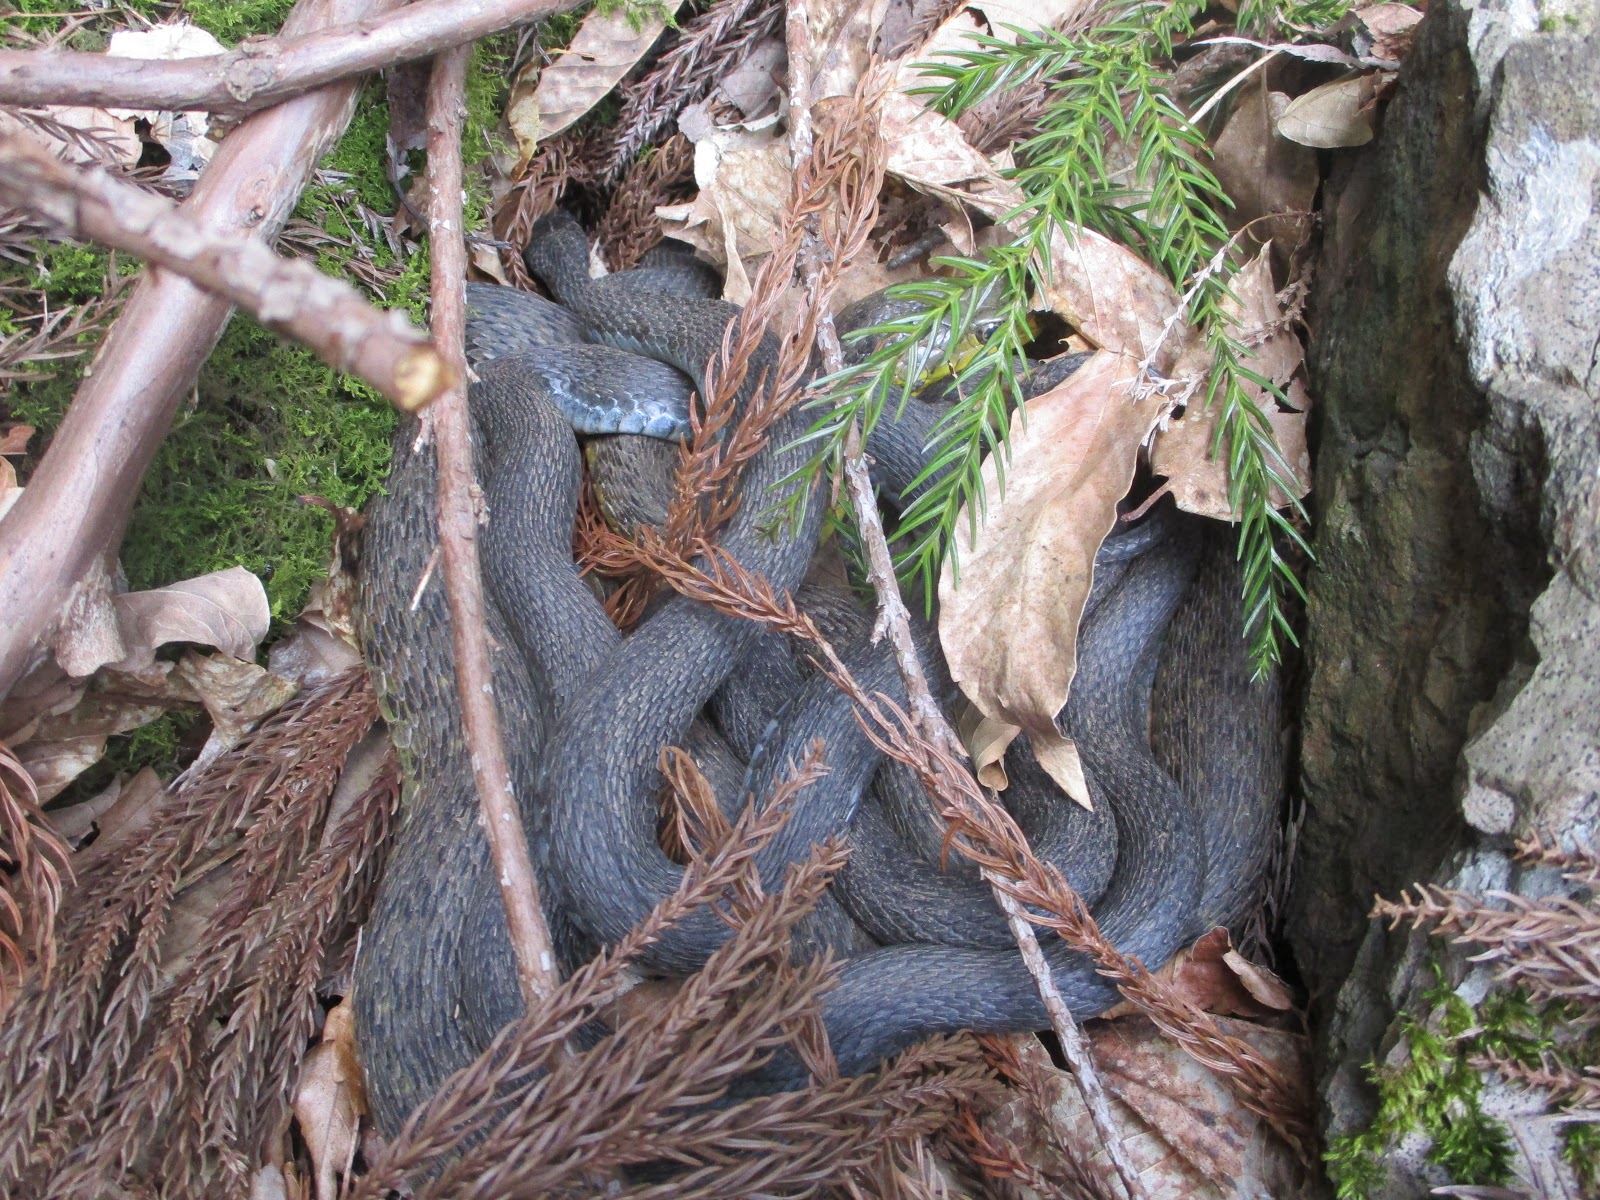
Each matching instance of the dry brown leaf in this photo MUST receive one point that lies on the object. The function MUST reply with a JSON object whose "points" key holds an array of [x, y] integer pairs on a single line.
{"points": [[1215, 977], [9, 491], [1009, 630], [1182, 1127], [1113, 297], [131, 812], [1389, 29], [485, 260], [15, 441], [183, 135], [235, 693], [329, 1101], [1182, 452], [1262, 171], [1333, 115], [604, 49], [753, 85], [88, 635], [226, 609], [998, 19], [931, 154], [744, 180]]}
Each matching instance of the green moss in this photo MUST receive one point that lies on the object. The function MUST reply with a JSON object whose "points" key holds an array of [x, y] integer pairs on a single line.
{"points": [[1580, 1146], [1436, 1092], [157, 745], [231, 20]]}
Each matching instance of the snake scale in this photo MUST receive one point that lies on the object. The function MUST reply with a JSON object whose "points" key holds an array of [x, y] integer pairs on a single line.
{"points": [[587, 710]]}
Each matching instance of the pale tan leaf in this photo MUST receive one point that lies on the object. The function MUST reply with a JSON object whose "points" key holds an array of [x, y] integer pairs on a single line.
{"points": [[1215, 977], [127, 818], [987, 741], [178, 39], [1390, 29], [524, 121], [842, 34], [1058, 755], [226, 609], [605, 49], [329, 1101], [1198, 479], [744, 181], [931, 154], [1009, 630], [1333, 115], [998, 19], [485, 261], [235, 693], [1113, 297]]}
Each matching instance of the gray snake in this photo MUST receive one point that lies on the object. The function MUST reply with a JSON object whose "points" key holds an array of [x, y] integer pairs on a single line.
{"points": [[588, 711]]}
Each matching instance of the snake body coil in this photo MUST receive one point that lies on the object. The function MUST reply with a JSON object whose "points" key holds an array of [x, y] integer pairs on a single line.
{"points": [[587, 711]]}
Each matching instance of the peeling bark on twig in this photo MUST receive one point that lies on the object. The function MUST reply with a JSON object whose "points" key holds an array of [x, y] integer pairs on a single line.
{"points": [[287, 295], [78, 499], [266, 71], [458, 541]]}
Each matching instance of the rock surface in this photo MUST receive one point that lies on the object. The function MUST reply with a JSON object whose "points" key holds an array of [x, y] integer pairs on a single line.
{"points": [[1452, 688]]}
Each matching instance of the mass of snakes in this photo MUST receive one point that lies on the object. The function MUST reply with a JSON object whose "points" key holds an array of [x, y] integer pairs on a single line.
{"points": [[1179, 746]]}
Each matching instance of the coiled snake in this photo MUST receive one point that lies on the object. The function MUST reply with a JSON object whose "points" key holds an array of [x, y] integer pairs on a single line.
{"points": [[586, 712]]}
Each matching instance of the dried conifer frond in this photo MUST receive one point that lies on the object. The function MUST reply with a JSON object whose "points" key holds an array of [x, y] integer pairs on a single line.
{"points": [[58, 334], [836, 191], [1568, 1087], [234, 1024], [630, 226], [476, 1094], [712, 45], [72, 1038], [33, 862], [1580, 865], [1550, 947]]}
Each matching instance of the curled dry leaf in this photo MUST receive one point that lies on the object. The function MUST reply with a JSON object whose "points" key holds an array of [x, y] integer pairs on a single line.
{"points": [[1198, 479], [1181, 1125], [1218, 979], [998, 19], [744, 180], [182, 135], [236, 695], [842, 34], [1011, 600], [931, 154], [1386, 30], [15, 441], [605, 48], [117, 815], [329, 1101], [227, 609], [1113, 297], [1336, 114]]}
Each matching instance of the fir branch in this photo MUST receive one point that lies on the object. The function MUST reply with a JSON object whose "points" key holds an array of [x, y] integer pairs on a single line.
{"points": [[1105, 90]]}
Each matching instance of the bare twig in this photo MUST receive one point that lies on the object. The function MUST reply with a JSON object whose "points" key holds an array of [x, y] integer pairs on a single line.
{"points": [[287, 295], [458, 540], [78, 499], [260, 72]]}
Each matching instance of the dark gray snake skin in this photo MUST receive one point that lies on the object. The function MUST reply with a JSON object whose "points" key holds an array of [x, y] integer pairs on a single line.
{"points": [[586, 712]]}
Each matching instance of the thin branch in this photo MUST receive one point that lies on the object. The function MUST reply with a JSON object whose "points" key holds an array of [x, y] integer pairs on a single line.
{"points": [[260, 72], [458, 540], [78, 500], [287, 295]]}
